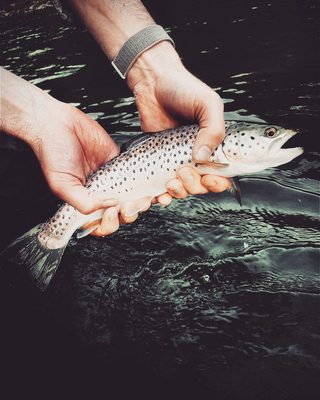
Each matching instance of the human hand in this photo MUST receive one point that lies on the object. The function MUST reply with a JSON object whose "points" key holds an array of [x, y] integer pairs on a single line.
{"points": [[69, 145], [166, 95]]}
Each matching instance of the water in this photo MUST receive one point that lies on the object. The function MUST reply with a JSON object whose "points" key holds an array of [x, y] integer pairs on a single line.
{"points": [[203, 299]]}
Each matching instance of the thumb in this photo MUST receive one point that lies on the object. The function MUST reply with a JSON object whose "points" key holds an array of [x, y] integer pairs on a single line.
{"points": [[83, 199], [211, 128]]}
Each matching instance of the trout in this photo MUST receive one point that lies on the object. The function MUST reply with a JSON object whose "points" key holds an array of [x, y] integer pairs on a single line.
{"points": [[139, 173]]}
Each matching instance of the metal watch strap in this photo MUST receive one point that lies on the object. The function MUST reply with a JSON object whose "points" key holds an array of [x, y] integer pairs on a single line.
{"points": [[136, 45]]}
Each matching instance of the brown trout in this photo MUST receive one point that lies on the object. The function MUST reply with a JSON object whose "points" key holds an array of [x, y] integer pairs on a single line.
{"points": [[140, 173]]}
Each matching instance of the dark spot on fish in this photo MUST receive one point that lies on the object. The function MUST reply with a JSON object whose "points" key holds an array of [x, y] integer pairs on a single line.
{"points": [[252, 137], [242, 133]]}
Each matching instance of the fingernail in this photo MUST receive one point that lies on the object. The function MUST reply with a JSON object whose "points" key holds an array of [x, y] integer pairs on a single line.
{"points": [[112, 213], [109, 202], [203, 153]]}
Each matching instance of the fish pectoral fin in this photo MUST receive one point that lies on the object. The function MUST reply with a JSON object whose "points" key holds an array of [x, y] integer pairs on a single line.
{"points": [[133, 207], [210, 167], [235, 190], [213, 164]]}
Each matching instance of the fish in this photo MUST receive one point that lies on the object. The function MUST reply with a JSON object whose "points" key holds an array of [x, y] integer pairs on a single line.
{"points": [[141, 172]]}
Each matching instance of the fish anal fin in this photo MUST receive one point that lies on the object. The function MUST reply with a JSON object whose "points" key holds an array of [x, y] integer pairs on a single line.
{"points": [[86, 232], [88, 228], [133, 207]]}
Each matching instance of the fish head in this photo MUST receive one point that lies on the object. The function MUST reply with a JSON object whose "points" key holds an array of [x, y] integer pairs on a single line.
{"points": [[258, 146]]}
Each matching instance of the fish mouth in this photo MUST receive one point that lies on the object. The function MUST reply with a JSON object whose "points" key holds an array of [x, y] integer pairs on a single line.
{"points": [[276, 149]]}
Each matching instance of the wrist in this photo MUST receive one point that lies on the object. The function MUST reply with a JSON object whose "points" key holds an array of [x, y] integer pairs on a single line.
{"points": [[153, 63], [23, 107]]}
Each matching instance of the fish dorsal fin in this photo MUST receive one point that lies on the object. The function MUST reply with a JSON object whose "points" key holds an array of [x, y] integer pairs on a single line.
{"points": [[134, 142]]}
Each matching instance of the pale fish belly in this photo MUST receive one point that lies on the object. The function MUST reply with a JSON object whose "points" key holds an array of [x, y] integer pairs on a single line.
{"points": [[135, 176]]}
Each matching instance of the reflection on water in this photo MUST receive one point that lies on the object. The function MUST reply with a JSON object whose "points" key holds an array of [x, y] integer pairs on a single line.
{"points": [[204, 297]]}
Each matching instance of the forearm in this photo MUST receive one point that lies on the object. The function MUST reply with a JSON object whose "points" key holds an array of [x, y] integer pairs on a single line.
{"points": [[22, 106], [113, 22]]}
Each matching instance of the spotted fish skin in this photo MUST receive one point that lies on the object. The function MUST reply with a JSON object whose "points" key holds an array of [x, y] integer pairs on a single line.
{"points": [[143, 170]]}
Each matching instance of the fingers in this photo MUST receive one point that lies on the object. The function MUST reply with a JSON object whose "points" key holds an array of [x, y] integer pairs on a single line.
{"points": [[215, 183], [109, 223], [191, 181], [176, 189], [82, 199], [125, 219], [209, 114], [164, 199]]}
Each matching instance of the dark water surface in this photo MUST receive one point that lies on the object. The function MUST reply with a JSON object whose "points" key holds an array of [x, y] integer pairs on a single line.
{"points": [[203, 299]]}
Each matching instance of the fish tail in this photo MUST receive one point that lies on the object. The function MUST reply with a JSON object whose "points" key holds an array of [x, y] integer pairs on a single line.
{"points": [[40, 261]]}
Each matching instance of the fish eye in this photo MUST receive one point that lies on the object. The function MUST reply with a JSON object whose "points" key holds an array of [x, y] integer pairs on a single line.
{"points": [[270, 132]]}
